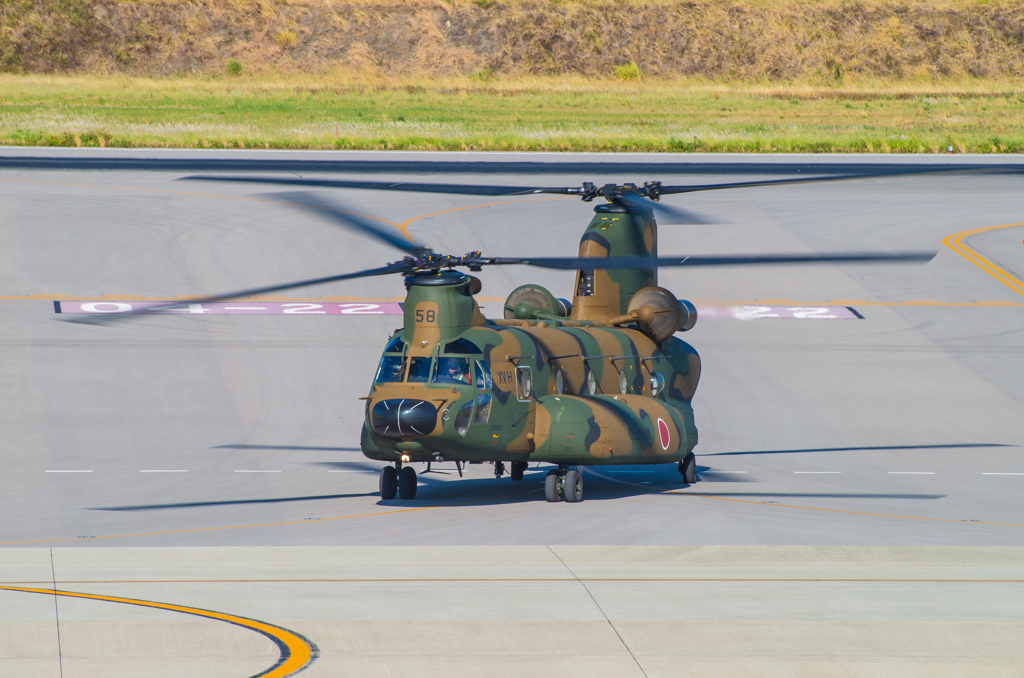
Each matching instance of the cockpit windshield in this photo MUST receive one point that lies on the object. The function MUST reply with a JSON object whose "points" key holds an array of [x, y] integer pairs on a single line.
{"points": [[419, 368], [392, 368]]}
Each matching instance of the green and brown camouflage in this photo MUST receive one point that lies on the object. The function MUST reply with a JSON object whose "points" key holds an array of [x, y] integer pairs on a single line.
{"points": [[455, 386], [601, 294]]}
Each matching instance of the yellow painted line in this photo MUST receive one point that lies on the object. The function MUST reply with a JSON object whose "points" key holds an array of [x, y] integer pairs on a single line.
{"points": [[385, 580], [856, 513], [279, 524], [662, 490], [495, 300], [185, 297], [403, 227], [956, 243], [296, 652]]}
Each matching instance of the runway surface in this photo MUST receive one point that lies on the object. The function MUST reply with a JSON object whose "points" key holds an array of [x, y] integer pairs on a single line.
{"points": [[901, 426]]}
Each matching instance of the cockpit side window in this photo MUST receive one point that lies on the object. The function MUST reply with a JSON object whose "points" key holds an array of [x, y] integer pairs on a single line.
{"points": [[391, 369], [452, 370], [483, 376], [395, 345]]}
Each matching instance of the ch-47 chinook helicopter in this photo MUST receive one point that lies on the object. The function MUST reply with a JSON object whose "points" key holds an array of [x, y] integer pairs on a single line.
{"points": [[599, 380]]}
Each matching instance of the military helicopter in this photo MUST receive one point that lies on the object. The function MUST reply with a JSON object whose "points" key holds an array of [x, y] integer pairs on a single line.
{"points": [[598, 380]]}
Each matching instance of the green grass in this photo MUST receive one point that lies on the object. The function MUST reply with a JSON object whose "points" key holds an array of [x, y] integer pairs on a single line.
{"points": [[491, 114]]}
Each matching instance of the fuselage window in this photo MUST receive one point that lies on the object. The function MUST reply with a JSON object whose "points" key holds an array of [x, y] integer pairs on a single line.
{"points": [[452, 370], [483, 398], [419, 368], [390, 370], [461, 346], [395, 345]]}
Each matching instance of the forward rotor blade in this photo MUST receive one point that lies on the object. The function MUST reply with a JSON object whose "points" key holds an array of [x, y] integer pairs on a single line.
{"points": [[397, 267], [333, 212], [611, 263], [679, 216], [455, 189]]}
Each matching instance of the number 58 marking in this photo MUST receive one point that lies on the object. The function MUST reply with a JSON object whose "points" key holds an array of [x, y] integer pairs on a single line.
{"points": [[425, 316]]}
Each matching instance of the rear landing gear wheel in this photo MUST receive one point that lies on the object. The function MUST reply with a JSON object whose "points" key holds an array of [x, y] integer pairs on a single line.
{"points": [[518, 468], [688, 468], [388, 482], [407, 483], [551, 489], [572, 486]]}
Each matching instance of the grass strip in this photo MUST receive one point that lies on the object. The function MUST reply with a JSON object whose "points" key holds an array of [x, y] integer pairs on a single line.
{"points": [[536, 114]]}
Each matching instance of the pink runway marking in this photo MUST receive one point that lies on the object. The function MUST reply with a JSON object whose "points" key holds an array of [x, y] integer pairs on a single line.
{"points": [[746, 312], [231, 308], [753, 312]]}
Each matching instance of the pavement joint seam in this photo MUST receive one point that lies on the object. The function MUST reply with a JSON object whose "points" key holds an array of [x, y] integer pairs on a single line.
{"points": [[600, 609]]}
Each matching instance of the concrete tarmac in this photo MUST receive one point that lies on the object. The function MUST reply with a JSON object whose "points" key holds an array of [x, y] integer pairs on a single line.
{"points": [[903, 429], [523, 610]]}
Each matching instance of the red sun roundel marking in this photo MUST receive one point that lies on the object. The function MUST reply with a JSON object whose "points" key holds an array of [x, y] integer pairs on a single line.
{"points": [[663, 436]]}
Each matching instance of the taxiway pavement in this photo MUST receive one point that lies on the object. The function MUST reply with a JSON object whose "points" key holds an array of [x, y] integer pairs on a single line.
{"points": [[903, 429]]}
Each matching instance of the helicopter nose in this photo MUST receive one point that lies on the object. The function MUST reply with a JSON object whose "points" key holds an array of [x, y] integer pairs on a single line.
{"points": [[399, 418]]}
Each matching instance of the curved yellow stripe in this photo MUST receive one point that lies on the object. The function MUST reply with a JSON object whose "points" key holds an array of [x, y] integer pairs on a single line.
{"points": [[955, 243], [404, 225], [296, 652]]}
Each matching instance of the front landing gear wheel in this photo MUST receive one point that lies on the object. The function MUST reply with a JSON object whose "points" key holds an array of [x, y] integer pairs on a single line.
{"points": [[551, 489], [407, 483], [572, 486], [518, 467], [388, 482], [688, 468]]}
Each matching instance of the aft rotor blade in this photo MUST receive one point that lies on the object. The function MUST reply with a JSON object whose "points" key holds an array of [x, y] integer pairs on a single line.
{"points": [[679, 216], [455, 189], [332, 211], [397, 267], [611, 263], [670, 190]]}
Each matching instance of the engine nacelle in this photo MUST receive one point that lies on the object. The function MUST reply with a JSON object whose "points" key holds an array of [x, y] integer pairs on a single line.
{"points": [[670, 315], [533, 301]]}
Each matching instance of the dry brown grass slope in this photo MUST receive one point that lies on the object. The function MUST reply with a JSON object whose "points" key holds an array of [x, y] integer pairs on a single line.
{"points": [[820, 41]]}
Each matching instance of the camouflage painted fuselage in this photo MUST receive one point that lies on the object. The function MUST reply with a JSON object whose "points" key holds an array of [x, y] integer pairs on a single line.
{"points": [[560, 391]]}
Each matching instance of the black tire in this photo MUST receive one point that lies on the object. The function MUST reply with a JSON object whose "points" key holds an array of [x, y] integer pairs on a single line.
{"points": [[572, 487], [688, 468], [407, 483], [518, 468], [551, 486], [388, 482]]}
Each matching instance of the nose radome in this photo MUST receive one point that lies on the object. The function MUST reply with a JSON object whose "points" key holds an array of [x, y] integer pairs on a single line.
{"points": [[403, 417]]}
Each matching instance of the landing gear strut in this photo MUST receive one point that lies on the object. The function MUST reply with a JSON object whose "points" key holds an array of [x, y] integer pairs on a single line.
{"points": [[397, 479], [688, 468], [563, 483], [499, 469]]}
